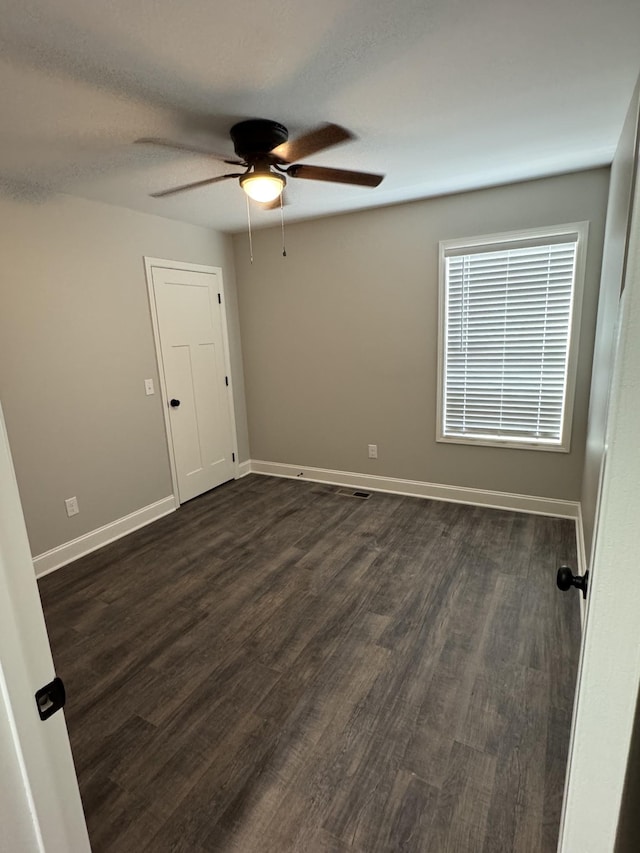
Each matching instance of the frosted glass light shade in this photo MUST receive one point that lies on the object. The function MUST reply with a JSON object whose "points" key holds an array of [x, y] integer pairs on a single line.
{"points": [[262, 186]]}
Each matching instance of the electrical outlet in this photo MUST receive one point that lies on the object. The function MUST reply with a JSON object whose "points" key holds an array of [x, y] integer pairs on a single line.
{"points": [[373, 451], [72, 506], [148, 387]]}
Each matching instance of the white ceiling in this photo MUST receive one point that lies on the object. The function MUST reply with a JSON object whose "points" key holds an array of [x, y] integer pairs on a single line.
{"points": [[444, 95]]}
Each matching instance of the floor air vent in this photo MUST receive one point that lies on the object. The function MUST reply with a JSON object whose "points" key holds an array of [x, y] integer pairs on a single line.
{"points": [[350, 493]]}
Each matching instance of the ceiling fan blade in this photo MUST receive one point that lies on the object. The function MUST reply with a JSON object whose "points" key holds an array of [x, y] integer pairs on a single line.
{"points": [[340, 176], [324, 136], [193, 149], [196, 184]]}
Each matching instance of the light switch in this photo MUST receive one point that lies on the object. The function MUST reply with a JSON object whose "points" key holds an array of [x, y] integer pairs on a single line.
{"points": [[148, 387]]}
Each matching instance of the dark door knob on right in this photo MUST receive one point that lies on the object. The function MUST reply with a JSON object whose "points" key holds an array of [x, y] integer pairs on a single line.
{"points": [[566, 579]]}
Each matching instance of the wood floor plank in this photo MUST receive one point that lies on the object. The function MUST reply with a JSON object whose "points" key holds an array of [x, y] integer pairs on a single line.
{"points": [[460, 818], [409, 815], [289, 803], [275, 667], [115, 819]]}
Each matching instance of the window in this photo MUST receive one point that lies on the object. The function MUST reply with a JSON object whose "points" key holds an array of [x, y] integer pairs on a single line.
{"points": [[509, 316]]}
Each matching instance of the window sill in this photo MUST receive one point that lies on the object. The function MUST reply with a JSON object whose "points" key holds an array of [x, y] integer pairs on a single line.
{"points": [[506, 443]]}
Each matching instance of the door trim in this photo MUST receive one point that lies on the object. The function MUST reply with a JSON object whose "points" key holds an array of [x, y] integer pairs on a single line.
{"points": [[41, 765], [163, 263]]}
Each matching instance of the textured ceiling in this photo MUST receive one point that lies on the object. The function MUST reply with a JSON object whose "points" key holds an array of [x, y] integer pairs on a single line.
{"points": [[444, 95]]}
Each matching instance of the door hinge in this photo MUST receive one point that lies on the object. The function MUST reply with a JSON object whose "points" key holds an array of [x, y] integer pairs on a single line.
{"points": [[233, 457], [50, 698], [226, 380], [219, 300]]}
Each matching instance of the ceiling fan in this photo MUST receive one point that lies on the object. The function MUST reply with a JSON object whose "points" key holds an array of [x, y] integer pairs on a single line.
{"points": [[263, 149]]}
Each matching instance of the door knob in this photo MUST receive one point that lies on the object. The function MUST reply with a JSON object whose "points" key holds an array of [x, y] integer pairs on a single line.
{"points": [[566, 579], [174, 403]]}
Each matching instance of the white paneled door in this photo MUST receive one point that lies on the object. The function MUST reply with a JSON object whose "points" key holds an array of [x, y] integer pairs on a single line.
{"points": [[191, 334]]}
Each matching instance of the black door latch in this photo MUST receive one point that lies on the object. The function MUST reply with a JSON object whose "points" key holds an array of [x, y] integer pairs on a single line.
{"points": [[50, 698]]}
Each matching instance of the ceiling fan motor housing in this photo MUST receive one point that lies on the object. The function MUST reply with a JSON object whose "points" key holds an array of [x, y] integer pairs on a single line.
{"points": [[257, 136]]}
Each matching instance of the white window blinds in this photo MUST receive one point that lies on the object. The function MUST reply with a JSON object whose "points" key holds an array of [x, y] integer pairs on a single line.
{"points": [[507, 330]]}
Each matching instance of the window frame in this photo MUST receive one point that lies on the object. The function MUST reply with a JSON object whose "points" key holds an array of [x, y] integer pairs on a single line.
{"points": [[489, 242]]}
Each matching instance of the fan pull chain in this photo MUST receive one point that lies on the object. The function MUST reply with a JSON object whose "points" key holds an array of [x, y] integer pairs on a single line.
{"points": [[284, 251], [250, 239]]}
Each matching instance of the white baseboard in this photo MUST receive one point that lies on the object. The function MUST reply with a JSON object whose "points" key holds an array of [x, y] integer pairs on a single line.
{"points": [[420, 489], [69, 551], [244, 468], [583, 563]]}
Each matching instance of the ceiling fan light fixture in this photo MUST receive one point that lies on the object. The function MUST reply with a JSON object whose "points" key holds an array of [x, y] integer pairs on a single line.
{"points": [[263, 186]]}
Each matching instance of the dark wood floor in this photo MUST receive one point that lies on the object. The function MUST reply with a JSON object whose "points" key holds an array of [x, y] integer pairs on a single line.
{"points": [[278, 668]]}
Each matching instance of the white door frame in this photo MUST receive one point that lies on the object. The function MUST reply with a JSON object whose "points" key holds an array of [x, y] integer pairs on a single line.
{"points": [[609, 675], [149, 265], [49, 791]]}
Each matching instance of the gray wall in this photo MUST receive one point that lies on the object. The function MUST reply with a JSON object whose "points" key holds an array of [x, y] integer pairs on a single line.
{"points": [[613, 260], [340, 337], [76, 344]]}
